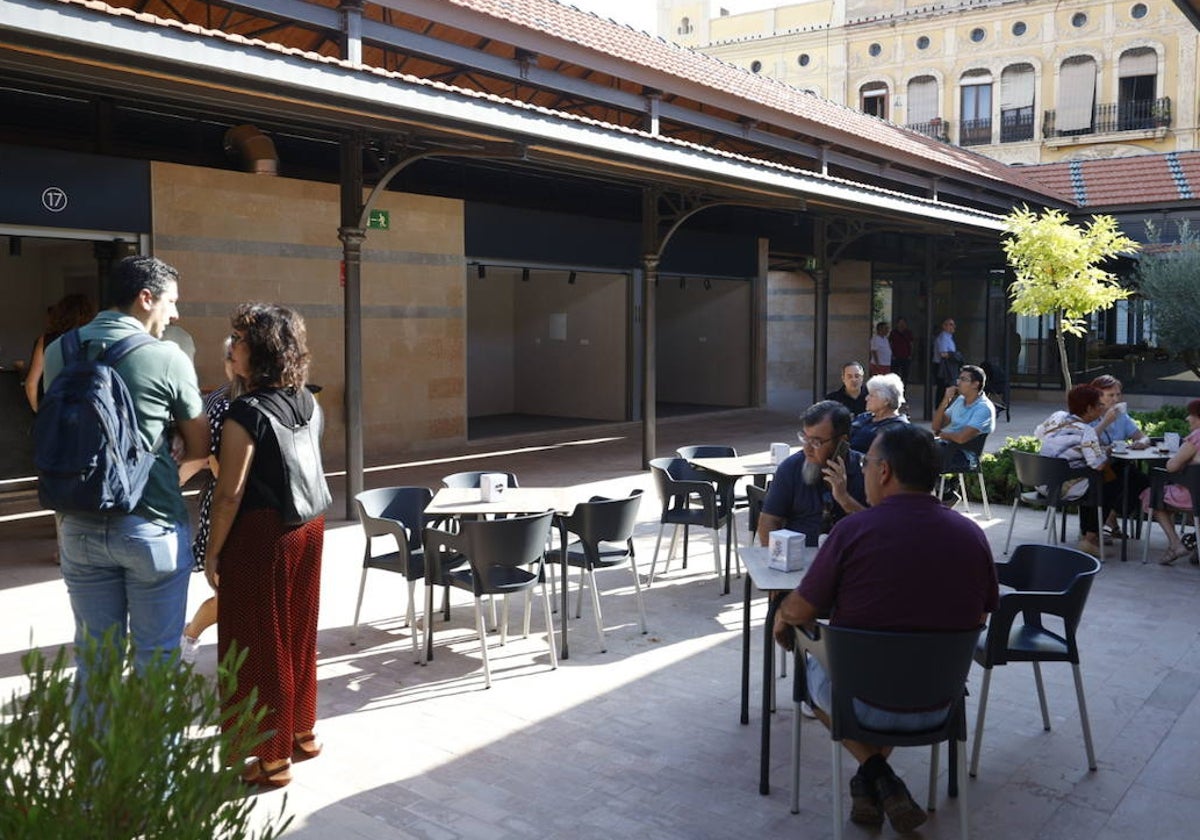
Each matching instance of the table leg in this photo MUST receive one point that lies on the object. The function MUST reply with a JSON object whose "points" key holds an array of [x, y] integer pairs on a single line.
{"points": [[728, 548], [745, 718], [1124, 513], [764, 750]]}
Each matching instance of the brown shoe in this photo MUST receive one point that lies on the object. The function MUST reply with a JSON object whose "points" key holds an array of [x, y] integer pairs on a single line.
{"points": [[902, 812], [306, 746], [256, 775], [865, 808]]}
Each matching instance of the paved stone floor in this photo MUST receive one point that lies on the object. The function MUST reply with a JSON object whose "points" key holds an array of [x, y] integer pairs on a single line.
{"points": [[644, 740]]}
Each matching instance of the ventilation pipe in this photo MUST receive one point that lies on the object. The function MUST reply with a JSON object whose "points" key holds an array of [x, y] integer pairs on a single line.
{"points": [[254, 149]]}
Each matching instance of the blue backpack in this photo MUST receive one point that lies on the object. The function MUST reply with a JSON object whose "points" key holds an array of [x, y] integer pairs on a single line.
{"points": [[89, 454]]}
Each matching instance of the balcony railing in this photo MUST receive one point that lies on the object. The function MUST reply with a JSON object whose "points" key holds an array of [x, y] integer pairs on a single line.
{"points": [[975, 132], [935, 128], [1016, 125], [1111, 117]]}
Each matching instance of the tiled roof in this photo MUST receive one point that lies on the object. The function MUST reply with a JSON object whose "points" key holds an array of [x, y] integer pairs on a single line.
{"points": [[1113, 182], [607, 37]]}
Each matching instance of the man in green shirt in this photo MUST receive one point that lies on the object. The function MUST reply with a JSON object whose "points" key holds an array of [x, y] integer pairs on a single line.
{"points": [[129, 573]]}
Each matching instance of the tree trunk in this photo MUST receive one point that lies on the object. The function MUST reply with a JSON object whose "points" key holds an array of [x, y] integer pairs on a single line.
{"points": [[1062, 355], [1192, 359]]}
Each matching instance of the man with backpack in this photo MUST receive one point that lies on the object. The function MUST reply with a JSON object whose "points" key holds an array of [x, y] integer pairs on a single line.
{"points": [[124, 537]]}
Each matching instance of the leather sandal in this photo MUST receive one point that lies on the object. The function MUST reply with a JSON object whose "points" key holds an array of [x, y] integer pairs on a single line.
{"points": [[255, 775], [305, 747]]}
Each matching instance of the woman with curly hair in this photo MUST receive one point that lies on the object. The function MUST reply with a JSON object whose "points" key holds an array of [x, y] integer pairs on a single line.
{"points": [[70, 312], [264, 547]]}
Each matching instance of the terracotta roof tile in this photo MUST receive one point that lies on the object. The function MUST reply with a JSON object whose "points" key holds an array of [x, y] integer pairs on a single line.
{"points": [[617, 40], [1112, 182]]}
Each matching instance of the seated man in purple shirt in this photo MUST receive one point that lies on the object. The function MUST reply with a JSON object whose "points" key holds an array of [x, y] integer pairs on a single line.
{"points": [[904, 564], [819, 484]]}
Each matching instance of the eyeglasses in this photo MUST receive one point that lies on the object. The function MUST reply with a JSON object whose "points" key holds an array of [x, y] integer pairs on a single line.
{"points": [[966, 378], [812, 442], [234, 338], [868, 460]]}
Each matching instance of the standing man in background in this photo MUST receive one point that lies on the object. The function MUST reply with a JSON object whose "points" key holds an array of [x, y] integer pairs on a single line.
{"points": [[881, 350]]}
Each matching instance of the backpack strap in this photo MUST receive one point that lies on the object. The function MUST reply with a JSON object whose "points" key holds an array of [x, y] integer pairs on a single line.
{"points": [[118, 351], [70, 345]]}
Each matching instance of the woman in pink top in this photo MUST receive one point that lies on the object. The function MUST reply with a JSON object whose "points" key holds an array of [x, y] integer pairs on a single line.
{"points": [[1176, 496]]}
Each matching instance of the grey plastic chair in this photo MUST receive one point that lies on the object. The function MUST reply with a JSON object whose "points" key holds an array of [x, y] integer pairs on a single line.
{"points": [[503, 556], [396, 512], [974, 450], [604, 528], [1047, 580], [890, 671]]}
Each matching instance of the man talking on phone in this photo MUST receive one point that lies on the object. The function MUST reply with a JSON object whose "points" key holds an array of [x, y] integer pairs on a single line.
{"points": [[821, 483]]}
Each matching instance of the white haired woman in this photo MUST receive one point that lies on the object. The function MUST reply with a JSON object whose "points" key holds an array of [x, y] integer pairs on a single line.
{"points": [[885, 396]]}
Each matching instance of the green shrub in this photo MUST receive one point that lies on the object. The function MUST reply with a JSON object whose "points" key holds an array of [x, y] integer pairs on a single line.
{"points": [[999, 474], [141, 756], [1169, 418]]}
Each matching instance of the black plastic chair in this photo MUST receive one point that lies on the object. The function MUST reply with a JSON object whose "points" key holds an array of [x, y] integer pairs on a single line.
{"points": [[755, 495], [1188, 477], [889, 671], [1034, 471], [396, 512], [605, 531], [681, 487], [690, 453], [1048, 580], [470, 480], [973, 449], [503, 556]]}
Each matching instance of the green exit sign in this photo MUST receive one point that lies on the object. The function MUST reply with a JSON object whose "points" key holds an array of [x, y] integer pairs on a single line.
{"points": [[379, 220]]}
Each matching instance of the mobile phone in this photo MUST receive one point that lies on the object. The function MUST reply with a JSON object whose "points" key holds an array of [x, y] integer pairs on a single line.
{"points": [[843, 449]]}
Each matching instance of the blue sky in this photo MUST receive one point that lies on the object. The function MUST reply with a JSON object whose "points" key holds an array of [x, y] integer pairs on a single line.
{"points": [[641, 14]]}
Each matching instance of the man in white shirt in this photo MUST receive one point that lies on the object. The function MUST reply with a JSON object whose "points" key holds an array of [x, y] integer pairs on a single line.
{"points": [[881, 350]]}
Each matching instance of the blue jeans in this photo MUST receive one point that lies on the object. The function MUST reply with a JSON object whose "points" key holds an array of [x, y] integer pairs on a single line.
{"points": [[128, 575]]}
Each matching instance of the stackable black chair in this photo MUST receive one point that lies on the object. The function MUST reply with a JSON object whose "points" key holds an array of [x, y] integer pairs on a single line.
{"points": [[926, 671], [1188, 477], [604, 528], [690, 498], [1035, 471], [396, 512], [503, 556], [1048, 580]]}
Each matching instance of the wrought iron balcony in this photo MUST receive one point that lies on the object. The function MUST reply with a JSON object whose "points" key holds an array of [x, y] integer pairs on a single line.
{"points": [[975, 132], [1016, 125], [935, 128], [1111, 117]]}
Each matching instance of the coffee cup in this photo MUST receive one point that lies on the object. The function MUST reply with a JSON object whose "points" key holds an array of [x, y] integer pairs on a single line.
{"points": [[1120, 447], [1122, 407], [779, 453]]}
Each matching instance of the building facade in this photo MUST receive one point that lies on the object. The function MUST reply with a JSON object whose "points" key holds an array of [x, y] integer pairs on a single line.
{"points": [[1022, 82]]}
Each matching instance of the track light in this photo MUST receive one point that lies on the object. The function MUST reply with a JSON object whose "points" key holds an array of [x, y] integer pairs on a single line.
{"points": [[707, 285], [14, 246], [683, 282], [571, 278], [524, 275], [481, 271]]}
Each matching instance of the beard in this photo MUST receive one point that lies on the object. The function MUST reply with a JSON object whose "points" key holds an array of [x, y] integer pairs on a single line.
{"points": [[811, 472]]}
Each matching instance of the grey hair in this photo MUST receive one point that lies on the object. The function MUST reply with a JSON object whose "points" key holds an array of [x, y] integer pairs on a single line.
{"points": [[889, 386]]}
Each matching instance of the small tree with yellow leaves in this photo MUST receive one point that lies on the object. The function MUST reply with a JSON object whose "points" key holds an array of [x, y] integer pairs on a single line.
{"points": [[1056, 266]]}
